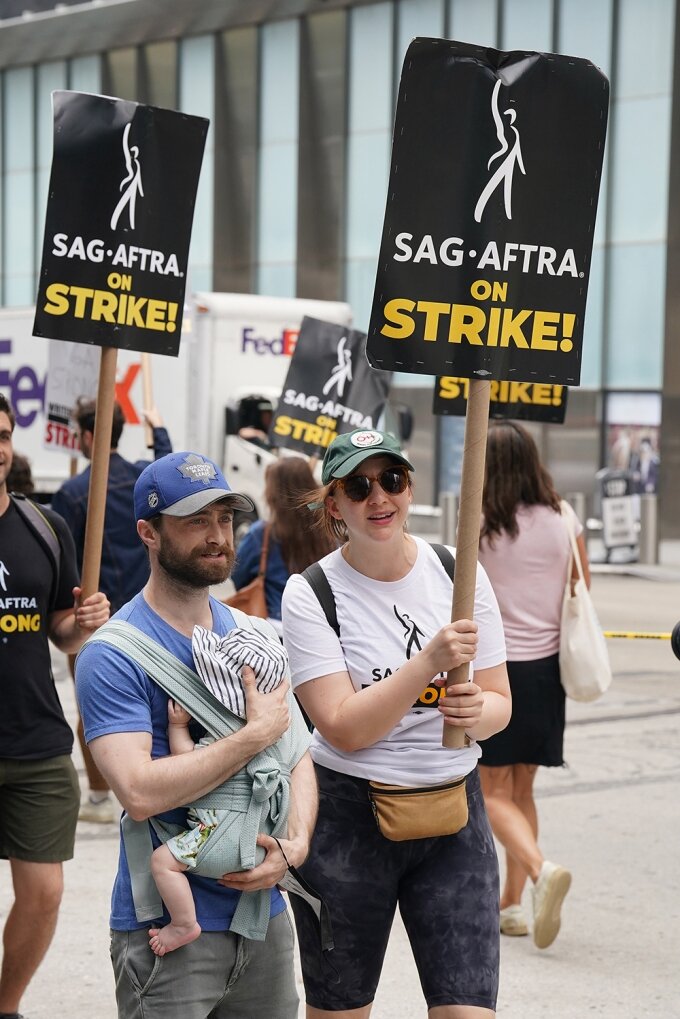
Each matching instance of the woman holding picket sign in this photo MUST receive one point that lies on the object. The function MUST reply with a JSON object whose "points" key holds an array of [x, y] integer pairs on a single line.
{"points": [[374, 687]]}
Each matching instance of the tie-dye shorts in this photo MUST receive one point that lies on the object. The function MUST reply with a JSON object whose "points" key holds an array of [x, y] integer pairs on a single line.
{"points": [[446, 889]]}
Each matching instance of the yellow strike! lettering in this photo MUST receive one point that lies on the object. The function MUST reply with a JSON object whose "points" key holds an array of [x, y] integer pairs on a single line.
{"points": [[113, 307], [497, 327], [542, 394]]}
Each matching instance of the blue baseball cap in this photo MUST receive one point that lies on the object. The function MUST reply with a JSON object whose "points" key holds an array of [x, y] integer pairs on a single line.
{"points": [[180, 484]]}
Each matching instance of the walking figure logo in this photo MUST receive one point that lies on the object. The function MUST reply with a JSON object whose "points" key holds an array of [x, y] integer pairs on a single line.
{"points": [[412, 633], [513, 157], [342, 372], [131, 183], [4, 572]]}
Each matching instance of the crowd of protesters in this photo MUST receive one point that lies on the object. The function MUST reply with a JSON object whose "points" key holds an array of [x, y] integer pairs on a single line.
{"points": [[366, 644]]}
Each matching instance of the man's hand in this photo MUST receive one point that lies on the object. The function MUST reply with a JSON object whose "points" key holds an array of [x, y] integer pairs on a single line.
{"points": [[268, 873], [92, 612], [266, 713]]}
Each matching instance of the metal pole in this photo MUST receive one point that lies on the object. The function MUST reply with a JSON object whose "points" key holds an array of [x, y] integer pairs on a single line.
{"points": [[649, 535], [449, 503]]}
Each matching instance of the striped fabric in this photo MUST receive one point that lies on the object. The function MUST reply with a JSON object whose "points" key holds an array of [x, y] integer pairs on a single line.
{"points": [[219, 660]]}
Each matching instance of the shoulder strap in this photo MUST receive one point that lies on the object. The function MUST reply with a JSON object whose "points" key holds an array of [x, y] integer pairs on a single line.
{"points": [[41, 527], [318, 581], [445, 558]]}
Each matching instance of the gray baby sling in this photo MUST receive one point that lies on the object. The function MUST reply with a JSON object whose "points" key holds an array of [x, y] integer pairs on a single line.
{"points": [[256, 798]]}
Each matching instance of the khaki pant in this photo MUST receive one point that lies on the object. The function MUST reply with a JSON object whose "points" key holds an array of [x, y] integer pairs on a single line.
{"points": [[220, 975]]}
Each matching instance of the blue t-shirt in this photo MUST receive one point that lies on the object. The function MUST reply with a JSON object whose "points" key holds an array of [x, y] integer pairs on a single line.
{"points": [[248, 565], [116, 695]]}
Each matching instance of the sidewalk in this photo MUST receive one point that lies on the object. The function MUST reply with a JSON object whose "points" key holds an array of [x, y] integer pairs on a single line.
{"points": [[612, 816]]}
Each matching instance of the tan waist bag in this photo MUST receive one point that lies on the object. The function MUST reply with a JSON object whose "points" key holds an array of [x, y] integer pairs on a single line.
{"points": [[422, 813]]}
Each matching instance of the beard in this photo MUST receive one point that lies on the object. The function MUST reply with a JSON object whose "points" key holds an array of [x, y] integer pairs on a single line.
{"points": [[191, 569]]}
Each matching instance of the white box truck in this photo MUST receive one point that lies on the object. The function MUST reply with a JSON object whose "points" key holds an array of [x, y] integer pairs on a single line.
{"points": [[233, 357]]}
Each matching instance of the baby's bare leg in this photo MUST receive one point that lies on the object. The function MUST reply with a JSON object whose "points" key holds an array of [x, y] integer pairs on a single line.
{"points": [[168, 873]]}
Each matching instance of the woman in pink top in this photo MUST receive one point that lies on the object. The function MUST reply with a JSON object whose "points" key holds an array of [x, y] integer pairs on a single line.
{"points": [[525, 549]]}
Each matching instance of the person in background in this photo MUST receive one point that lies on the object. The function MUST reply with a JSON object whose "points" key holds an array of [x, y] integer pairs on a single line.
{"points": [[294, 539], [374, 694], [40, 602], [124, 566], [20, 478], [526, 552]]}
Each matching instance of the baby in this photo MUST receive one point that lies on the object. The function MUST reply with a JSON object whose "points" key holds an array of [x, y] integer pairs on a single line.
{"points": [[218, 662]]}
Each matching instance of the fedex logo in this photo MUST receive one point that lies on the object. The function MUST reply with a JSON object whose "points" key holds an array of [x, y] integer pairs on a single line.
{"points": [[26, 389], [284, 344]]}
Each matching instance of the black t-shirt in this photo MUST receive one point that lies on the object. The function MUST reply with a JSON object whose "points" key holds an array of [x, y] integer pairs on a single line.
{"points": [[32, 723]]}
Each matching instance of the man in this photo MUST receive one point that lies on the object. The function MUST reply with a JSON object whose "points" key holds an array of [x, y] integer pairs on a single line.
{"points": [[39, 793], [124, 564], [184, 510]]}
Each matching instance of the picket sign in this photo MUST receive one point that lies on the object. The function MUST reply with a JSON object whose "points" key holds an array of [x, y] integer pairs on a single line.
{"points": [[487, 240], [115, 250]]}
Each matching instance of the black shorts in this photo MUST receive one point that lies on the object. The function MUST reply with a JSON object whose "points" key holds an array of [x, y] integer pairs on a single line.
{"points": [[446, 889], [535, 734]]}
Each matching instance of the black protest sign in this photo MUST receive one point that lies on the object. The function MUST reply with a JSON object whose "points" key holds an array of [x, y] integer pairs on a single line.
{"points": [[520, 401], [119, 216], [329, 389], [487, 241]]}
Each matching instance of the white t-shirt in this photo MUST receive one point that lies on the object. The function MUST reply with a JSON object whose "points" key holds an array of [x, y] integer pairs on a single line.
{"points": [[529, 574], [382, 624]]}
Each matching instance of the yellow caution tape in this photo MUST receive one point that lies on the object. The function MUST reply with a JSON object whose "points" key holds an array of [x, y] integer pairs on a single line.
{"points": [[632, 635]]}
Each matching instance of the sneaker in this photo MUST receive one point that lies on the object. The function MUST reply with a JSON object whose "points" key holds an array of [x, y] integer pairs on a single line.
{"points": [[548, 895], [513, 922], [97, 813]]}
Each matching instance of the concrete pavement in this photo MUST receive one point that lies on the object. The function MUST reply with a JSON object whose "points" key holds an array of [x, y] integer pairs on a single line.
{"points": [[612, 816]]}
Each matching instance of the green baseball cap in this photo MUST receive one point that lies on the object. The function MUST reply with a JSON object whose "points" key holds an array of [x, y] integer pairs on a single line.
{"points": [[347, 451]]}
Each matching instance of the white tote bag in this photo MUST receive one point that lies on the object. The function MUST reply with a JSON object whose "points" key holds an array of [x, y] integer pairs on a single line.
{"points": [[585, 670]]}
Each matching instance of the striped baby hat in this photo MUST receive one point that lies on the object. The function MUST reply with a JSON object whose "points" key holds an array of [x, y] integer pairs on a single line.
{"points": [[219, 660]]}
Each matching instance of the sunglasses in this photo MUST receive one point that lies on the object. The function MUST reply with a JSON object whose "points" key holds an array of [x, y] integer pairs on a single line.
{"points": [[357, 487]]}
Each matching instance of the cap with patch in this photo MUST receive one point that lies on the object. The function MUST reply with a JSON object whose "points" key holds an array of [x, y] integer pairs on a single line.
{"points": [[180, 484], [347, 451]]}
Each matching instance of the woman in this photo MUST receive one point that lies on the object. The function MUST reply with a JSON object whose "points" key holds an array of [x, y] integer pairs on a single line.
{"points": [[294, 542], [373, 694], [526, 552]]}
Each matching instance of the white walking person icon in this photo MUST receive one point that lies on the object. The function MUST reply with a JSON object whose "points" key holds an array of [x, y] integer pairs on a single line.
{"points": [[342, 372], [132, 182], [506, 169], [4, 572]]}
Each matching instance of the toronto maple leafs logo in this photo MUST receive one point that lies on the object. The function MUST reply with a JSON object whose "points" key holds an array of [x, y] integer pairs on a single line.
{"points": [[195, 468]]}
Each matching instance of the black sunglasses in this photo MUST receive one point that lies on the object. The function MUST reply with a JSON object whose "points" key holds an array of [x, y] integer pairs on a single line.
{"points": [[357, 487]]}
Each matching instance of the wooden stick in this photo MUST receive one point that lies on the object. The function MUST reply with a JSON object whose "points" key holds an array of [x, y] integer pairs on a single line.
{"points": [[147, 391], [469, 521], [99, 474]]}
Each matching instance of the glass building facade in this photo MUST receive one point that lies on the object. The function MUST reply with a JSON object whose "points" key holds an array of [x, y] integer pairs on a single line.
{"points": [[301, 99]]}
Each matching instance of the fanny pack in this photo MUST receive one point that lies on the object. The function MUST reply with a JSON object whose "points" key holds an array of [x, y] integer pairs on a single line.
{"points": [[402, 812]]}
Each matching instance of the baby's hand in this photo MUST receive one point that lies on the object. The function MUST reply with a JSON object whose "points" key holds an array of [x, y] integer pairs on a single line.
{"points": [[177, 715]]}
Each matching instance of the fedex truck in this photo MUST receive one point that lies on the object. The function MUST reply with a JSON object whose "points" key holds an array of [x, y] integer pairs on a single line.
{"points": [[232, 364]]}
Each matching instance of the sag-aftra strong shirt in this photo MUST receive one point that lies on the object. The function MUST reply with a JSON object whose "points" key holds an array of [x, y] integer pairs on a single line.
{"points": [[32, 723]]}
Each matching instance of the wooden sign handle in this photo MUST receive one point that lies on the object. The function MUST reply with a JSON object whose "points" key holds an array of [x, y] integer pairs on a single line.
{"points": [[469, 520], [147, 390], [99, 474]]}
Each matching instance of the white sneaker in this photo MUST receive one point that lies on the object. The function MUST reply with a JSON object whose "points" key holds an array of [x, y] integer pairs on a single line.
{"points": [[514, 922], [97, 813], [548, 895]]}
